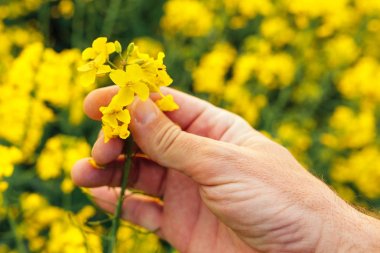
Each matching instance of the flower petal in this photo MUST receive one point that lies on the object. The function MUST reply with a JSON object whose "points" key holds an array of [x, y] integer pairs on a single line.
{"points": [[163, 78], [119, 77], [110, 120], [88, 54], [124, 116], [110, 47], [167, 103], [87, 67], [103, 69], [108, 133], [123, 131], [100, 60], [125, 96], [134, 72], [160, 58], [88, 77], [99, 45], [141, 90]]}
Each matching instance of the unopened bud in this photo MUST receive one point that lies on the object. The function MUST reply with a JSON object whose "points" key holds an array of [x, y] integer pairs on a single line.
{"points": [[118, 47]]}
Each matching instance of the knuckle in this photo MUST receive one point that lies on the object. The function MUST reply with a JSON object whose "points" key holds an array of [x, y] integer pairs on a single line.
{"points": [[167, 137]]}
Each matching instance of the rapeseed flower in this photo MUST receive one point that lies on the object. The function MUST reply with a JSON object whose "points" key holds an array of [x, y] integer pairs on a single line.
{"points": [[98, 55], [139, 74], [57, 158], [9, 157], [183, 17], [131, 81]]}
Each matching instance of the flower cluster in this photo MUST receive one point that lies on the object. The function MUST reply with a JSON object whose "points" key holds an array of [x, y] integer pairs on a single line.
{"points": [[138, 75]]}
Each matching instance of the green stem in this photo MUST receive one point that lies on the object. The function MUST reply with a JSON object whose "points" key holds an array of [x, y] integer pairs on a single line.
{"points": [[111, 16], [19, 242], [111, 64], [118, 211]]}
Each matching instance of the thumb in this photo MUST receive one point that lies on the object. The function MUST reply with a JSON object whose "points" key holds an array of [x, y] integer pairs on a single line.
{"points": [[166, 144]]}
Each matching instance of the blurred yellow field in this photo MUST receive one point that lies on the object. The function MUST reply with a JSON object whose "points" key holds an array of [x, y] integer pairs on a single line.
{"points": [[305, 73]]}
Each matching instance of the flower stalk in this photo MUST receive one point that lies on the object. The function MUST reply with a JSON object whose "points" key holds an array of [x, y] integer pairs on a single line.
{"points": [[119, 206]]}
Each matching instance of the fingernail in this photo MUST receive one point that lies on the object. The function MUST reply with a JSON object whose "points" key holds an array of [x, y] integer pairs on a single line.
{"points": [[144, 112]]}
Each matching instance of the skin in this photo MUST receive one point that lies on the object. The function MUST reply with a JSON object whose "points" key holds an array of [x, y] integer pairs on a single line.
{"points": [[224, 187]]}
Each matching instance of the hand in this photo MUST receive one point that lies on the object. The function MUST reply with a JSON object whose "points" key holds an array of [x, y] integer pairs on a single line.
{"points": [[225, 187]]}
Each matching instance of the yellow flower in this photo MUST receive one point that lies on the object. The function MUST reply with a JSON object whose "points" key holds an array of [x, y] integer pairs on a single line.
{"points": [[209, 76], [93, 69], [167, 103], [187, 17], [154, 70], [162, 77], [58, 157], [99, 47], [361, 168], [138, 74], [98, 54], [131, 78], [343, 134], [148, 45], [115, 121], [9, 157]]}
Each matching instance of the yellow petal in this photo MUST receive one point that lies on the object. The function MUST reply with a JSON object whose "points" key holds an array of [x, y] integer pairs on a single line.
{"points": [[110, 120], [124, 116], [103, 69], [153, 87], [86, 67], [167, 103], [164, 78], [116, 104], [88, 77], [100, 60], [107, 130], [134, 73], [7, 169], [107, 109], [88, 54], [110, 47], [99, 45], [3, 186], [123, 131], [160, 58], [125, 96], [119, 77], [141, 90]]}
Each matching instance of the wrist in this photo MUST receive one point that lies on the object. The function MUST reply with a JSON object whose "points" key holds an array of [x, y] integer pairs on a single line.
{"points": [[350, 231], [366, 235]]}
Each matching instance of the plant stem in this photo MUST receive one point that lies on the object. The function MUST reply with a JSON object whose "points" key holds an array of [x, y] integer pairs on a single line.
{"points": [[118, 211], [111, 64], [111, 16], [19, 242]]}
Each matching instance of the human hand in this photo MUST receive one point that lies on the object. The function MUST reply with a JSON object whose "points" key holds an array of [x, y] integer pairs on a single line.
{"points": [[225, 187]]}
